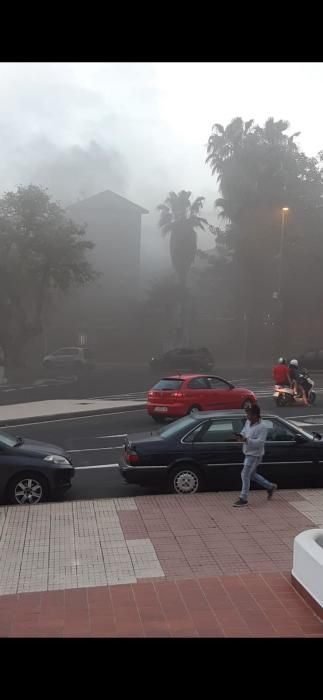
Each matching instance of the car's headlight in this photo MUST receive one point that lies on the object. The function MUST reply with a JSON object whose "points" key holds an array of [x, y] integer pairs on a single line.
{"points": [[56, 459]]}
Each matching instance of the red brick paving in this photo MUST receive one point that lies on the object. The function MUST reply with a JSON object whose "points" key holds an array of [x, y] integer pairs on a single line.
{"points": [[246, 605]]}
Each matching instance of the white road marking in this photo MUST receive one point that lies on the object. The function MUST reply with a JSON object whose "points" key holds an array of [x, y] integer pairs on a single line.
{"points": [[306, 415], [99, 466], [105, 437], [97, 449], [62, 420]]}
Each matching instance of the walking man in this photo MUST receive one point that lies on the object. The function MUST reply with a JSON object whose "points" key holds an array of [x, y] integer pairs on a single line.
{"points": [[253, 436]]}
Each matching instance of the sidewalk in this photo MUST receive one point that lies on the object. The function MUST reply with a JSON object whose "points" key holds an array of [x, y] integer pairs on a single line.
{"points": [[154, 566], [60, 408]]}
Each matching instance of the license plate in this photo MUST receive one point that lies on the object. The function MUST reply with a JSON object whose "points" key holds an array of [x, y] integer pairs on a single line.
{"points": [[161, 409]]}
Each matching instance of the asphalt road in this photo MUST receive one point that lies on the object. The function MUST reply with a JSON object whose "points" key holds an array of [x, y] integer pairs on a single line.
{"points": [[96, 442], [113, 381], [116, 381]]}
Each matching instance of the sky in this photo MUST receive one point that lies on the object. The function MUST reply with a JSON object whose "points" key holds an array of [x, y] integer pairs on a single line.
{"points": [[140, 129]]}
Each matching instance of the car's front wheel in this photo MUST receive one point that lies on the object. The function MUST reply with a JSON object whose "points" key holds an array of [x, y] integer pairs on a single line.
{"points": [[27, 489], [185, 479]]}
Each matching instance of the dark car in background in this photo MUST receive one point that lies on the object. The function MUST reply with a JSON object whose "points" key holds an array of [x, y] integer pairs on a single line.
{"points": [[183, 360], [201, 451], [32, 471], [312, 360]]}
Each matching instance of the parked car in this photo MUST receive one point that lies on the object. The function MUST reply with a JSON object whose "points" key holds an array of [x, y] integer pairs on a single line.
{"points": [[176, 396], [183, 360], [71, 359], [200, 451], [312, 360], [31, 471]]}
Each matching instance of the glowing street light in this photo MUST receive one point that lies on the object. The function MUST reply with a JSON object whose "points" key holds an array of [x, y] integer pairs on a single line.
{"points": [[284, 213]]}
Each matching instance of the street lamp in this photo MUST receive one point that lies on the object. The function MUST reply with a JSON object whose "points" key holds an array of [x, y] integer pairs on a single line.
{"points": [[284, 213]]}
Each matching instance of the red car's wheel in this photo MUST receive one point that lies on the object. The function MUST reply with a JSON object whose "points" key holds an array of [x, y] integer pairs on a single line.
{"points": [[247, 404], [193, 409]]}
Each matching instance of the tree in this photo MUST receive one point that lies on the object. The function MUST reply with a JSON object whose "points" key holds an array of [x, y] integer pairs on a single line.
{"points": [[41, 250], [259, 171], [179, 218]]}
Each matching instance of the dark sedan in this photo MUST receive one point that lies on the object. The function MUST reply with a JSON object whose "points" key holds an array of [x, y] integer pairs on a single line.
{"points": [[183, 360], [200, 451], [312, 360], [31, 471]]}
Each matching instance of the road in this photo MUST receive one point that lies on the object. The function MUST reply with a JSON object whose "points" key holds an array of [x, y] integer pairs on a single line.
{"points": [[104, 383], [96, 442], [109, 382]]}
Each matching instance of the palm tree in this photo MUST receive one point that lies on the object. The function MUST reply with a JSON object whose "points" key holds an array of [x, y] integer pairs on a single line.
{"points": [[179, 218]]}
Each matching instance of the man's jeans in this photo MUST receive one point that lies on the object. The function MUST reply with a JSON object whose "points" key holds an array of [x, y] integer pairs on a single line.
{"points": [[249, 473]]}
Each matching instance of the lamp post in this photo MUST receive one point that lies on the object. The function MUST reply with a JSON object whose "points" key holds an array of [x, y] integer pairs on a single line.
{"points": [[284, 213], [277, 294]]}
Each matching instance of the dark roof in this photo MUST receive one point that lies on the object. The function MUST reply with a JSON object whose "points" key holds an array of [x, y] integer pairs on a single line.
{"points": [[231, 414], [109, 198]]}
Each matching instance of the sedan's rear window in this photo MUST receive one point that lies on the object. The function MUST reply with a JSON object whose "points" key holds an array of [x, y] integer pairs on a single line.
{"points": [[177, 427], [168, 385]]}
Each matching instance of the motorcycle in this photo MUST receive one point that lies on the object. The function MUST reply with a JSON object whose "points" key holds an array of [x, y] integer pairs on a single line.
{"points": [[287, 396]]}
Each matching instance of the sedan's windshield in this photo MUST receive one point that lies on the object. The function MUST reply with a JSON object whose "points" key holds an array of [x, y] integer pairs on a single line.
{"points": [[7, 440], [309, 436]]}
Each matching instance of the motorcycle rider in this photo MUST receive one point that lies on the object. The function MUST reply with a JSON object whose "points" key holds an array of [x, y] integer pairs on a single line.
{"points": [[281, 373], [297, 381]]}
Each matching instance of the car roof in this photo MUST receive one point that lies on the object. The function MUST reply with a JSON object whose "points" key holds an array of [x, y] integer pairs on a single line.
{"points": [[185, 376], [239, 413]]}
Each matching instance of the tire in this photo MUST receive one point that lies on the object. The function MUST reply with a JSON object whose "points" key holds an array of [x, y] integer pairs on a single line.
{"points": [[185, 479], [282, 401], [159, 419], [247, 404], [37, 489], [193, 409]]}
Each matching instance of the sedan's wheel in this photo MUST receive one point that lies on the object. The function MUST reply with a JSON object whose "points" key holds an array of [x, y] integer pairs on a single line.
{"points": [[27, 490], [247, 404], [185, 479]]}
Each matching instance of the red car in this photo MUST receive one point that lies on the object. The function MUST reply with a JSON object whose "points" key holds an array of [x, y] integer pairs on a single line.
{"points": [[178, 395]]}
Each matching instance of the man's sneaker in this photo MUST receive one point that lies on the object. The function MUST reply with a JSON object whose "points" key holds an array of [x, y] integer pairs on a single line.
{"points": [[240, 502], [271, 491]]}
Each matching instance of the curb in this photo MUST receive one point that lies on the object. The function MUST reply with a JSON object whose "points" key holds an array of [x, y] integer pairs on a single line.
{"points": [[74, 414]]}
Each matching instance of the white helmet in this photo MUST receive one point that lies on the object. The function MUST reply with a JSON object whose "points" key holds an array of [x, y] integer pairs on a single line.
{"points": [[294, 363]]}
